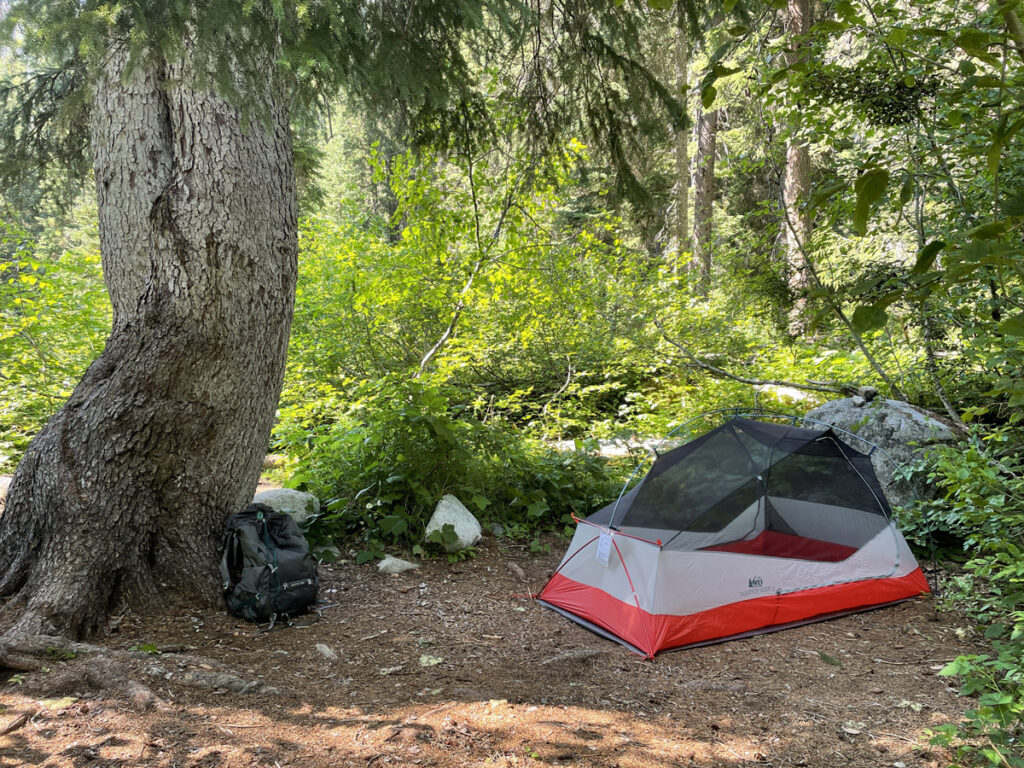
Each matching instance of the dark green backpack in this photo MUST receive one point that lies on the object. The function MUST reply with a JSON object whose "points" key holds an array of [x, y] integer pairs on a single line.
{"points": [[267, 569]]}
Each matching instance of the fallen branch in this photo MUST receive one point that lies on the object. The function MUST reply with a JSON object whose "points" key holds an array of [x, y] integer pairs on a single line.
{"points": [[18, 723], [841, 389]]}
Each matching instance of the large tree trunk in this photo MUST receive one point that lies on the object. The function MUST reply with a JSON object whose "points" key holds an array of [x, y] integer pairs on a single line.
{"points": [[120, 498], [682, 149], [704, 193], [797, 183]]}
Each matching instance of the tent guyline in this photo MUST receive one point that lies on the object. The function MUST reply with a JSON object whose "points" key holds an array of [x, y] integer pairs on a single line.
{"points": [[750, 527]]}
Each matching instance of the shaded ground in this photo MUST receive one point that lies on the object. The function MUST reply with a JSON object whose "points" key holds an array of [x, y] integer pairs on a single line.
{"points": [[453, 665]]}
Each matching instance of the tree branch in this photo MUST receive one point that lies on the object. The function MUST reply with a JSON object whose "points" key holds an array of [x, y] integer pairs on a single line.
{"points": [[842, 389]]}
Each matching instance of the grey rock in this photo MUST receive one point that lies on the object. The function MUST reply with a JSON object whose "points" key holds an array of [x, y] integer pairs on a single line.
{"points": [[326, 652], [395, 565], [858, 401], [5, 483], [298, 504], [450, 510], [902, 431], [868, 393]]}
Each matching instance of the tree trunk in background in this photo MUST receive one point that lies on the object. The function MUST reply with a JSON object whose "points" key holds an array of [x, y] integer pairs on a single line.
{"points": [[704, 193], [797, 183], [682, 153], [121, 497]]}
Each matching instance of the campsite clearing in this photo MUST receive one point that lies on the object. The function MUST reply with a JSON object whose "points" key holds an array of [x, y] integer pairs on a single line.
{"points": [[451, 665]]}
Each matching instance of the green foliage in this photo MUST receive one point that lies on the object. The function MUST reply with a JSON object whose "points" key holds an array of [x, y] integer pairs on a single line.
{"points": [[396, 446], [55, 315], [981, 494], [60, 654]]}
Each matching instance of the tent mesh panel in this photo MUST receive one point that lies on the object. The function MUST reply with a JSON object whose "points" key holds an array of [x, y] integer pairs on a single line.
{"points": [[748, 477]]}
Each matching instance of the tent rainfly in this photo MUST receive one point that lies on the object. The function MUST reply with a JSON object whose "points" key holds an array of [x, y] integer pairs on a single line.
{"points": [[750, 528]]}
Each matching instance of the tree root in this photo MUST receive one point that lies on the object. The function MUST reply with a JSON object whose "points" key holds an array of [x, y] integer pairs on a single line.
{"points": [[80, 666]]}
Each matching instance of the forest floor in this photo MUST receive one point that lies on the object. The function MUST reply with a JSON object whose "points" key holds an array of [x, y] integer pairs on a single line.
{"points": [[454, 665]]}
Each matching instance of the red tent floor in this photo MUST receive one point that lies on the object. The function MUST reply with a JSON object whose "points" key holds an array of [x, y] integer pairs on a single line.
{"points": [[652, 633]]}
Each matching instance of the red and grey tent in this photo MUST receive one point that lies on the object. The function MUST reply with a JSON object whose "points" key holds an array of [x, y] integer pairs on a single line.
{"points": [[749, 528]]}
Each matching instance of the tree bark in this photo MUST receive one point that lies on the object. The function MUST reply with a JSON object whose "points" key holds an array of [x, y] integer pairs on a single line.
{"points": [[704, 193], [797, 182], [682, 148], [121, 497]]}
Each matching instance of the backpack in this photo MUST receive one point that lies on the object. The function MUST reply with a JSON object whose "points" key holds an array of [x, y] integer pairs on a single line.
{"points": [[266, 567]]}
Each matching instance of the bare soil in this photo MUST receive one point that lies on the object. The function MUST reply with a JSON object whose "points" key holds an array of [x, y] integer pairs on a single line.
{"points": [[455, 665]]}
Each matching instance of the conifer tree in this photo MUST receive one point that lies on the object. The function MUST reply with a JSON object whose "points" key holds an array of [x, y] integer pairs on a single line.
{"points": [[120, 498]]}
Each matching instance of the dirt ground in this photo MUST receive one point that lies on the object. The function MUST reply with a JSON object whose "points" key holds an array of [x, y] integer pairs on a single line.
{"points": [[454, 665]]}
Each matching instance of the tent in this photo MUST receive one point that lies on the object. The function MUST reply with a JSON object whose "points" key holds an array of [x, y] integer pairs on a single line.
{"points": [[750, 528]]}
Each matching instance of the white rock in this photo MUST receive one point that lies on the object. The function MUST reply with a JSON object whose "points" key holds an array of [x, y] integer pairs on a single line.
{"points": [[299, 505], [395, 565], [5, 483], [326, 652], [450, 510]]}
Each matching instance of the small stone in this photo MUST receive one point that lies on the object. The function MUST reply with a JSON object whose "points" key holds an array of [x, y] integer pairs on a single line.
{"points": [[326, 652], [858, 401], [395, 565]]}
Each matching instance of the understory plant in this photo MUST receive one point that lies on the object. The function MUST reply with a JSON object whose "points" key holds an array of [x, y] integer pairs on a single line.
{"points": [[981, 501], [398, 445]]}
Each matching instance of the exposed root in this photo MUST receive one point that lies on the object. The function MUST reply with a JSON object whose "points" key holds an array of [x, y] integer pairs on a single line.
{"points": [[80, 666], [16, 724], [142, 698], [30, 653]]}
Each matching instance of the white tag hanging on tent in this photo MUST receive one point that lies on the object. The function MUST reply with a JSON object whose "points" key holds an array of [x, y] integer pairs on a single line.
{"points": [[604, 547]]}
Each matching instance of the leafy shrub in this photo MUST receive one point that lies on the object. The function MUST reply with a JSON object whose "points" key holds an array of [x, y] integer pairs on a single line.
{"points": [[54, 316], [400, 444], [981, 499]]}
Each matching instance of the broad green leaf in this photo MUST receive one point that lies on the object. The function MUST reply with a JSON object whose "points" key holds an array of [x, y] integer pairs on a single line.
{"points": [[907, 190], [728, 5], [720, 53], [989, 230], [926, 257], [822, 195], [974, 41], [831, 25], [867, 317], [707, 96], [1013, 326], [995, 152], [1014, 206], [869, 187], [661, 5]]}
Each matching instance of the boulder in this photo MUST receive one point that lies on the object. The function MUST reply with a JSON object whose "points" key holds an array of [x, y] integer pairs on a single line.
{"points": [[395, 565], [901, 430], [299, 505], [5, 483], [450, 510]]}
